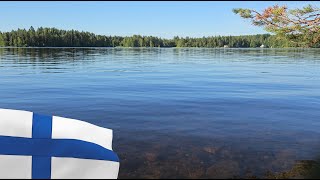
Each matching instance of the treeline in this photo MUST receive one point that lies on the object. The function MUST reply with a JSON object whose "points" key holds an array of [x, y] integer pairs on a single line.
{"points": [[53, 37]]}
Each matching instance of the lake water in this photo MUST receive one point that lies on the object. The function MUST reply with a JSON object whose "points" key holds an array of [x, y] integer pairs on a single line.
{"points": [[187, 113]]}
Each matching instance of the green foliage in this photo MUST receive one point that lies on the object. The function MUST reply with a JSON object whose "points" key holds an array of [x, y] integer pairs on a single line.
{"points": [[52, 37], [245, 13], [300, 26], [305, 10], [2, 43]]}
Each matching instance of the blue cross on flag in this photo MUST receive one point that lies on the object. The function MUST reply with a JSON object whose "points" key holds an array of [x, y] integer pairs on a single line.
{"points": [[34, 146]]}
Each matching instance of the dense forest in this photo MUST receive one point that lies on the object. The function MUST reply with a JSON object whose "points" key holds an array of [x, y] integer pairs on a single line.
{"points": [[52, 37]]}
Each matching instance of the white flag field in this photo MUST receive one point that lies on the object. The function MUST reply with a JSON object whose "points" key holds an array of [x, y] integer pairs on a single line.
{"points": [[34, 146]]}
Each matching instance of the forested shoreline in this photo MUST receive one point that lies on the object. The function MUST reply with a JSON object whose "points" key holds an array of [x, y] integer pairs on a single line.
{"points": [[53, 37]]}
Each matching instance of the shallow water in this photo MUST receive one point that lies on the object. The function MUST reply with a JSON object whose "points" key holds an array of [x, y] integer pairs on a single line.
{"points": [[190, 113]]}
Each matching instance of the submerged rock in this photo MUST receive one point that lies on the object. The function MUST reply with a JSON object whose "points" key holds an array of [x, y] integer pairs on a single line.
{"points": [[151, 156], [224, 169], [210, 150], [303, 169]]}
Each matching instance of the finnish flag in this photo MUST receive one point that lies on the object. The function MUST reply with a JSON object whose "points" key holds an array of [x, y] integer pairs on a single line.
{"points": [[34, 146]]}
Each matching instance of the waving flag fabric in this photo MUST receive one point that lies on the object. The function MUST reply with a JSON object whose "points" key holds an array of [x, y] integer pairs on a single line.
{"points": [[50, 147]]}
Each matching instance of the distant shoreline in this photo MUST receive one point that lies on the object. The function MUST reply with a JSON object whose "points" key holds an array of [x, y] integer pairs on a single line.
{"points": [[11, 47], [53, 37]]}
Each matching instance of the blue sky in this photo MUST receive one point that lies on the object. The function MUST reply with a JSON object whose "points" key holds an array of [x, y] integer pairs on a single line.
{"points": [[164, 19]]}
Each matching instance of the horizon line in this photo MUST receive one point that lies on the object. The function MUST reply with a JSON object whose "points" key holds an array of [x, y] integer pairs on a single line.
{"points": [[113, 35]]}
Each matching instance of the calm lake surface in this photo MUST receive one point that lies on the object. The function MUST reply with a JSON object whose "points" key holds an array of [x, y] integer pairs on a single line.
{"points": [[189, 113]]}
